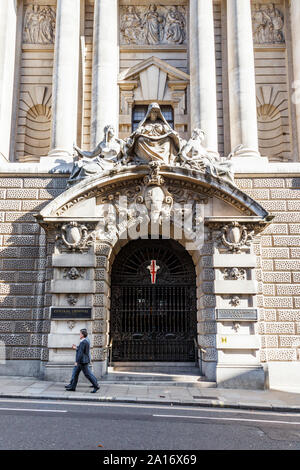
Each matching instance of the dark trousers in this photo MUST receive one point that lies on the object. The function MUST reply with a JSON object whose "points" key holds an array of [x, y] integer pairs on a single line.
{"points": [[87, 372]]}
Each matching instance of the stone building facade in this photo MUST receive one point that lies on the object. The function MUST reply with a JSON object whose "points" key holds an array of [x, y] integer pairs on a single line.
{"points": [[69, 69]]}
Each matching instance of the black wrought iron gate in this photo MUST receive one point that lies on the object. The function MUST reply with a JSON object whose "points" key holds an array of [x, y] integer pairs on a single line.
{"points": [[153, 321]]}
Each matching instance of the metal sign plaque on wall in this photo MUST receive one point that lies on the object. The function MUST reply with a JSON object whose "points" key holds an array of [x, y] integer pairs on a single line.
{"points": [[71, 313], [236, 314]]}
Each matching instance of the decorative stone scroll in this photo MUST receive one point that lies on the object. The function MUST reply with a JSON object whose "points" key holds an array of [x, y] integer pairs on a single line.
{"points": [[268, 23], [39, 25], [75, 236], [235, 237], [153, 24]]}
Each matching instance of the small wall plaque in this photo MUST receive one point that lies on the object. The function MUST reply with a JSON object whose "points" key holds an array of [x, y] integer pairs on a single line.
{"points": [[232, 314], [71, 313]]}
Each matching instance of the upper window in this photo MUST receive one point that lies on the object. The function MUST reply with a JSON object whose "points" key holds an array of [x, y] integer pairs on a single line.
{"points": [[139, 112]]}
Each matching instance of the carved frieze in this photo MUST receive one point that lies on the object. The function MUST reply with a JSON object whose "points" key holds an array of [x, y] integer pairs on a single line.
{"points": [[268, 24], [39, 25], [153, 24]]}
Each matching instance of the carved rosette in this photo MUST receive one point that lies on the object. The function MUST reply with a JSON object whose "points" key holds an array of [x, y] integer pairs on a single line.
{"points": [[234, 274], [73, 273]]}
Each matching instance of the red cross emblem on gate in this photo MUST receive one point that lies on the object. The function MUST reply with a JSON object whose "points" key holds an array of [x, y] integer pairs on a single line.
{"points": [[153, 268]]}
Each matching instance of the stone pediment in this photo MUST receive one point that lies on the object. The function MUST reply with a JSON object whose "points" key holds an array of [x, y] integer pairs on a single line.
{"points": [[80, 201], [152, 75]]}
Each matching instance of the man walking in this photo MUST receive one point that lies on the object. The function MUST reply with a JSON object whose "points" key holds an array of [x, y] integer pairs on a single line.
{"points": [[82, 363]]}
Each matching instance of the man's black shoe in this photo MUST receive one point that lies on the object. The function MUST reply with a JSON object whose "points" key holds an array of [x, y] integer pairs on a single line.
{"points": [[68, 386], [69, 389], [95, 390]]}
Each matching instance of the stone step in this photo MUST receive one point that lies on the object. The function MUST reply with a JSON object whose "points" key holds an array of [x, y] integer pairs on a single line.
{"points": [[158, 378], [156, 370], [200, 383], [157, 384], [175, 368]]}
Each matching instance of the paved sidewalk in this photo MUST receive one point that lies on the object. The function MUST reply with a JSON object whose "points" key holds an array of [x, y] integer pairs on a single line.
{"points": [[30, 388]]}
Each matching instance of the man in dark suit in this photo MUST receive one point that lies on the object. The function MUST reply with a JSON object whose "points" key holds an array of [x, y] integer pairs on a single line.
{"points": [[82, 363]]}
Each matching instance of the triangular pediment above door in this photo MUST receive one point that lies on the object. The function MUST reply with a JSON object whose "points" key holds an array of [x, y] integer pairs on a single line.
{"points": [[153, 79]]}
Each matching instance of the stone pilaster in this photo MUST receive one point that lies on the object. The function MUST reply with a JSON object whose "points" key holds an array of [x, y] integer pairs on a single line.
{"points": [[235, 289], [105, 99], [203, 71], [295, 21], [103, 252], [8, 24], [65, 78], [241, 77]]}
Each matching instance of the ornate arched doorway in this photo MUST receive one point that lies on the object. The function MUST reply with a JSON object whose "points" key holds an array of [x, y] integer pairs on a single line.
{"points": [[153, 303]]}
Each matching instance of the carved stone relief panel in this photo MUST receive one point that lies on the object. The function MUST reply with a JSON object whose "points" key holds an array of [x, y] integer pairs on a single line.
{"points": [[268, 24], [153, 24], [39, 25]]}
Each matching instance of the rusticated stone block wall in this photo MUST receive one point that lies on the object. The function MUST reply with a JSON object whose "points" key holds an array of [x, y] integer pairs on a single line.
{"points": [[24, 319], [23, 327], [278, 265]]}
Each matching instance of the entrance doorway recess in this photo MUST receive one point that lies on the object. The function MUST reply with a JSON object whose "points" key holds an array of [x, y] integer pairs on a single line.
{"points": [[153, 303]]}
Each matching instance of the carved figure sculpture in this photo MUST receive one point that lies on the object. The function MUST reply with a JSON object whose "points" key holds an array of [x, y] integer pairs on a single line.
{"points": [[47, 25], [175, 26], [105, 156], [39, 25], [153, 143], [193, 154], [268, 24], [131, 26], [153, 24], [154, 139], [276, 20]]}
